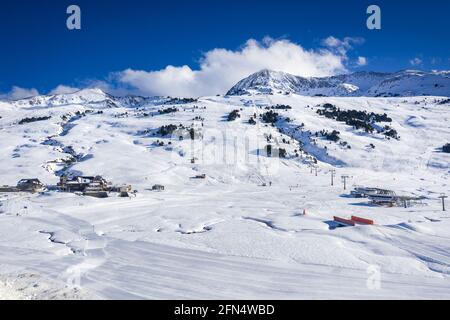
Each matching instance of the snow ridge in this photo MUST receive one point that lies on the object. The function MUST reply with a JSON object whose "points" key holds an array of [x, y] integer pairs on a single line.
{"points": [[371, 84]]}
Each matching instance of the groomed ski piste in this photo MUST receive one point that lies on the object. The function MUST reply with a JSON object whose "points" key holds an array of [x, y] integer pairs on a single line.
{"points": [[257, 227]]}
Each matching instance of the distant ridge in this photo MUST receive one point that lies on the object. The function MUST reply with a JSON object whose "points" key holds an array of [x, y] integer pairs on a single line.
{"points": [[371, 84]]}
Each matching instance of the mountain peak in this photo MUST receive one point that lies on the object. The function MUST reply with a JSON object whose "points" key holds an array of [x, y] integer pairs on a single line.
{"points": [[91, 91], [88, 95], [266, 82]]}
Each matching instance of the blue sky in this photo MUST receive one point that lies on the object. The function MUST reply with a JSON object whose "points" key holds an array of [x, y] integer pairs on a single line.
{"points": [[39, 52]]}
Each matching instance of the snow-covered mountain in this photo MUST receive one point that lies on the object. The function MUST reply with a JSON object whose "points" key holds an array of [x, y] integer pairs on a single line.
{"points": [[373, 84], [90, 96], [257, 226]]}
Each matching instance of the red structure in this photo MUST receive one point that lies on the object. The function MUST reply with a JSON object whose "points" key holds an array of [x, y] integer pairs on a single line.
{"points": [[362, 220], [345, 221]]}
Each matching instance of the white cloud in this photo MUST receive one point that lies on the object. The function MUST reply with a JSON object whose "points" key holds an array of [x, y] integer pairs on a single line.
{"points": [[17, 93], [332, 42], [415, 61], [341, 46], [362, 61], [62, 89], [220, 69]]}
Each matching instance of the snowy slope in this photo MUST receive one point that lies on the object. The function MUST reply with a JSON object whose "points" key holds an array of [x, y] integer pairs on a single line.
{"points": [[403, 83], [227, 236]]}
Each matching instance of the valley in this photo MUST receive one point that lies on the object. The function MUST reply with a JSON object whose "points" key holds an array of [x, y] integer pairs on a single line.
{"points": [[258, 226]]}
